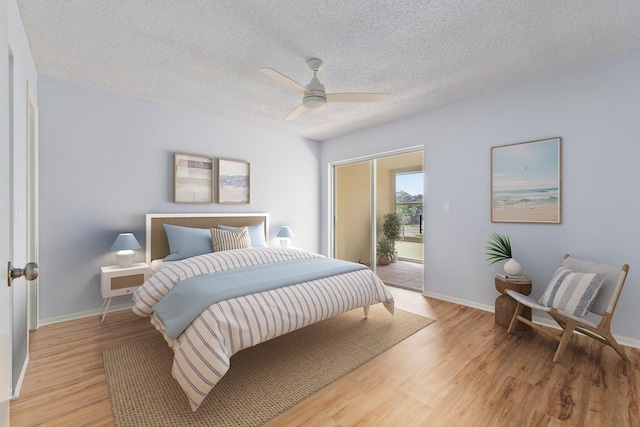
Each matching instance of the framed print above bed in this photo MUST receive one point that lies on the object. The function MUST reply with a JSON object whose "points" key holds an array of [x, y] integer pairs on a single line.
{"points": [[193, 178], [234, 181], [526, 182]]}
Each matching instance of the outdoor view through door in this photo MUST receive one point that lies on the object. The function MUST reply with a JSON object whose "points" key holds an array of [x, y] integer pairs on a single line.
{"points": [[408, 200], [378, 216]]}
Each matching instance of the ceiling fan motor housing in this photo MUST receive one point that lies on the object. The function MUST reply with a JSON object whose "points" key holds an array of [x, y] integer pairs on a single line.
{"points": [[315, 100], [317, 97]]}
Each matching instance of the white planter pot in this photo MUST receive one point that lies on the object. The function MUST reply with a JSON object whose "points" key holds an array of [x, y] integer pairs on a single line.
{"points": [[512, 267]]}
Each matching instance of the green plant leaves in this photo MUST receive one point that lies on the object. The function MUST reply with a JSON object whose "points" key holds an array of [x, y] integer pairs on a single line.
{"points": [[385, 247], [499, 248]]}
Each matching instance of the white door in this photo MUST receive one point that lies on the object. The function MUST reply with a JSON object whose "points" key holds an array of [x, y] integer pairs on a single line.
{"points": [[5, 305], [5, 320]]}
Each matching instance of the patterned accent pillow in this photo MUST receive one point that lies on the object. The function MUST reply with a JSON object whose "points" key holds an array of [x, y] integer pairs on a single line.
{"points": [[256, 234], [572, 292], [226, 240]]}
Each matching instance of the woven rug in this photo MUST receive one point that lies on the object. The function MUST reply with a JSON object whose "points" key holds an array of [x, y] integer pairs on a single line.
{"points": [[263, 381]]}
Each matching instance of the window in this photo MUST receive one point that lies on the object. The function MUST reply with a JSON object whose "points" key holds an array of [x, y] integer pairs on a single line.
{"points": [[408, 200]]}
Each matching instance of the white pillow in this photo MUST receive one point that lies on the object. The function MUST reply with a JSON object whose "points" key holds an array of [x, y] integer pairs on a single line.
{"points": [[572, 292], [156, 265], [226, 240]]}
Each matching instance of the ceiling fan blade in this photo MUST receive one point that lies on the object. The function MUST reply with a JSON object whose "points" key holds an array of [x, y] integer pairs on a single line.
{"points": [[284, 79], [357, 97], [295, 113]]}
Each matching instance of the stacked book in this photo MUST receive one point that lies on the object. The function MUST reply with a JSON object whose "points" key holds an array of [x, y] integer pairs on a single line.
{"points": [[514, 277]]}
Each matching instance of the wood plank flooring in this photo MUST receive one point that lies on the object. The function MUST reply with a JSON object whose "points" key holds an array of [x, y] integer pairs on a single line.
{"points": [[463, 370]]}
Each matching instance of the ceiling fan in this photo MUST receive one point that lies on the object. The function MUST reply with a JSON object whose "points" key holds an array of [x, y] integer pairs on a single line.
{"points": [[314, 95]]}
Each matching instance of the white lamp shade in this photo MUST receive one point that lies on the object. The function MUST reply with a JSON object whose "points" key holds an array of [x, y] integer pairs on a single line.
{"points": [[125, 244]]}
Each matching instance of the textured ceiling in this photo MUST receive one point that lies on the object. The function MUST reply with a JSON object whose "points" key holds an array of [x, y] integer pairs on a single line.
{"points": [[204, 55]]}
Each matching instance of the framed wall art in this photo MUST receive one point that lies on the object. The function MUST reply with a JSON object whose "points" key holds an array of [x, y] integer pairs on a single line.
{"points": [[234, 184], [526, 182], [193, 178]]}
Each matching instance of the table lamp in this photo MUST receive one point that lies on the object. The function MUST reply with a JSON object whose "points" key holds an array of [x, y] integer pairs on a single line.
{"points": [[285, 234], [125, 244]]}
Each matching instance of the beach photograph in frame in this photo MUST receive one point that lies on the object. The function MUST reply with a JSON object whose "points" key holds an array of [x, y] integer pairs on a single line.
{"points": [[526, 182], [233, 181], [193, 178]]}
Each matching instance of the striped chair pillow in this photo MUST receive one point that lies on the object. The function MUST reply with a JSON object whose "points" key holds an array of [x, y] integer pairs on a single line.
{"points": [[225, 240], [571, 292]]}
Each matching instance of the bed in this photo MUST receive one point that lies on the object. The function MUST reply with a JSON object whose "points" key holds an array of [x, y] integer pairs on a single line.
{"points": [[210, 305]]}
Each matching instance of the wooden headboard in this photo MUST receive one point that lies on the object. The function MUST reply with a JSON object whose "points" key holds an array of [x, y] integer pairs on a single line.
{"points": [[158, 245]]}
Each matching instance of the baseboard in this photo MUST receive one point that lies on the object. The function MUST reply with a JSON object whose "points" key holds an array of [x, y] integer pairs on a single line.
{"points": [[459, 301], [630, 342], [413, 260], [23, 371], [83, 314]]}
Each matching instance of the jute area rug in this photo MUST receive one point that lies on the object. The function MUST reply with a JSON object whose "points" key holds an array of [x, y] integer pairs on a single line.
{"points": [[263, 381]]}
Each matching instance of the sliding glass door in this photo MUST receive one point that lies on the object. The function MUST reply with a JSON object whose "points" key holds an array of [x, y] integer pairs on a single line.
{"points": [[364, 192], [352, 213]]}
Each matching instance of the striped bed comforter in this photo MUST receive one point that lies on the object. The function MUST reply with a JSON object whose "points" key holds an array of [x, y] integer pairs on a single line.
{"points": [[203, 351]]}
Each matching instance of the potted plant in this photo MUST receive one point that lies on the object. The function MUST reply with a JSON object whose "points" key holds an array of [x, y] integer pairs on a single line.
{"points": [[499, 249], [392, 230], [385, 251]]}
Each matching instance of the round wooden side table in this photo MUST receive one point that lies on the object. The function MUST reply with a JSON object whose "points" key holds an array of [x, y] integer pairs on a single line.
{"points": [[506, 306]]}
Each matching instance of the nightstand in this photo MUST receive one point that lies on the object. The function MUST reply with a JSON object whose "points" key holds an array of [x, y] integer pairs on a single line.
{"points": [[116, 281], [506, 306]]}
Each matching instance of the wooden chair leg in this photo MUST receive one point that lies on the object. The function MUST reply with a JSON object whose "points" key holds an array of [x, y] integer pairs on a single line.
{"points": [[567, 332], [514, 319], [613, 343]]}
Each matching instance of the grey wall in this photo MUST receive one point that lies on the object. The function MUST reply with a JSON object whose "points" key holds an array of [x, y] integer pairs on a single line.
{"points": [[594, 109], [106, 160]]}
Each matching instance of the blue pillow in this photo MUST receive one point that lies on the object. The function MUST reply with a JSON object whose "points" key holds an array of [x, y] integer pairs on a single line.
{"points": [[256, 234], [185, 242]]}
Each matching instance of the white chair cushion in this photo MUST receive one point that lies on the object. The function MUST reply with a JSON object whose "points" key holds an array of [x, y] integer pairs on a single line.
{"points": [[528, 301], [572, 292]]}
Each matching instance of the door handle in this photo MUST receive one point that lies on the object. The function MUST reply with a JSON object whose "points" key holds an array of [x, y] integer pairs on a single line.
{"points": [[30, 272]]}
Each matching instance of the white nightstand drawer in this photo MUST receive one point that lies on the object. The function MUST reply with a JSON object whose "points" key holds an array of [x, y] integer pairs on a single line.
{"points": [[117, 280], [126, 282]]}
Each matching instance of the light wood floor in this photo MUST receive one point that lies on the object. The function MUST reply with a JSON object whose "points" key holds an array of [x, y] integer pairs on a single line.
{"points": [[462, 370]]}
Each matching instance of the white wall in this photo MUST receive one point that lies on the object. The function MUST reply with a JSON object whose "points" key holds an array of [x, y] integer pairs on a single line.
{"points": [[594, 109], [24, 71], [106, 160]]}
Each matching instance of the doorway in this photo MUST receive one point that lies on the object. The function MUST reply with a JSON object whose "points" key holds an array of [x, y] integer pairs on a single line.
{"points": [[364, 191]]}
